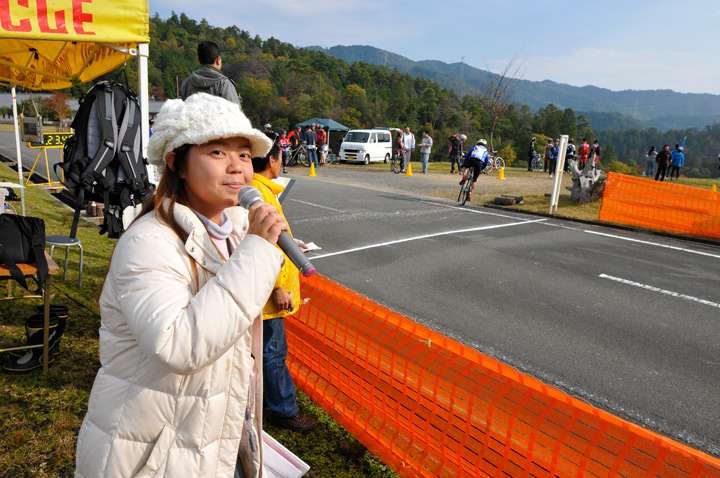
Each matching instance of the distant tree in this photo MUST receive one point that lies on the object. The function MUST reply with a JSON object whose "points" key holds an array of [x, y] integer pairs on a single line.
{"points": [[568, 123], [547, 121], [607, 153], [618, 167], [57, 107], [256, 94], [350, 117], [508, 153], [583, 128], [158, 92], [497, 91]]}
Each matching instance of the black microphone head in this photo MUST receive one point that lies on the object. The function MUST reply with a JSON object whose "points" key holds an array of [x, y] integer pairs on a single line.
{"points": [[248, 196]]}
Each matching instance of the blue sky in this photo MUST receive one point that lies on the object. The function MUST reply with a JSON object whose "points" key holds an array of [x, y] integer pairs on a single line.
{"points": [[639, 45]]}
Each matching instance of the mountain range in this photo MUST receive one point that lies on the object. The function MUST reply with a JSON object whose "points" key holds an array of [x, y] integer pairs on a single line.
{"points": [[662, 109]]}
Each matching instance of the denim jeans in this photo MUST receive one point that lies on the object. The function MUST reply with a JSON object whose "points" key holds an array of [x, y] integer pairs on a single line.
{"points": [[455, 160], [278, 389], [312, 156], [425, 157], [649, 168]]}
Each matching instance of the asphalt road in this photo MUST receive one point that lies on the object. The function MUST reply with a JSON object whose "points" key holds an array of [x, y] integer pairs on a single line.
{"points": [[29, 155], [629, 322]]}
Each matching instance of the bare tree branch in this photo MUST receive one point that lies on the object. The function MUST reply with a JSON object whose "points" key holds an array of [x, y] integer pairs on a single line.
{"points": [[497, 92]]}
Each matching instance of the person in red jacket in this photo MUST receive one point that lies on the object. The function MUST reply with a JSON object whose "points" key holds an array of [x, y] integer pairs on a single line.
{"points": [[584, 151], [321, 142]]}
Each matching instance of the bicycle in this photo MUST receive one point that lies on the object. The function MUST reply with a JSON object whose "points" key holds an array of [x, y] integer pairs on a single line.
{"points": [[495, 162], [396, 163], [538, 162], [466, 187], [300, 155]]}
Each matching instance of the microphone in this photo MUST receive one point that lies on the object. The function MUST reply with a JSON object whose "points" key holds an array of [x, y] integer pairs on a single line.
{"points": [[248, 196]]}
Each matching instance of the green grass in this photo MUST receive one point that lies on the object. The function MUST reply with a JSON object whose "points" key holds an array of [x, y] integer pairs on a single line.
{"points": [[566, 207], [41, 415]]}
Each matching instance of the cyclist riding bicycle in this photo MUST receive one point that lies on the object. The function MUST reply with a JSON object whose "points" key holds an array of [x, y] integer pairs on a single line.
{"points": [[478, 158]]}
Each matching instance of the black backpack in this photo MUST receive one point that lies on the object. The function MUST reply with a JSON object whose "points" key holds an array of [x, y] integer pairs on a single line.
{"points": [[103, 161]]}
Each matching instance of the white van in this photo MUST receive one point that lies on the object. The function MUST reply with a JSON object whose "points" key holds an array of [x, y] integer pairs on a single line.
{"points": [[366, 146]]}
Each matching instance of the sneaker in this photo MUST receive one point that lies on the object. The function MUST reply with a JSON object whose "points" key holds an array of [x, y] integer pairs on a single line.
{"points": [[462, 181], [551, 176], [299, 423], [284, 171]]}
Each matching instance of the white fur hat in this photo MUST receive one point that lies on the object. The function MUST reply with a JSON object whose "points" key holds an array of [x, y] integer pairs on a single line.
{"points": [[197, 120]]}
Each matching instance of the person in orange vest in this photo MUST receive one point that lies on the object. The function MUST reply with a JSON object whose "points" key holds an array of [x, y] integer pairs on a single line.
{"points": [[278, 388]]}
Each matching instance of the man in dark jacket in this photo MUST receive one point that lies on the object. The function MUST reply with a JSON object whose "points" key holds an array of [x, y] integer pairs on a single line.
{"points": [[663, 159], [207, 78], [456, 151], [309, 138]]}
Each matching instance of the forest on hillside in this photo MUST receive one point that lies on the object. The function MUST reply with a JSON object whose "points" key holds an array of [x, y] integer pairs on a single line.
{"points": [[284, 85]]}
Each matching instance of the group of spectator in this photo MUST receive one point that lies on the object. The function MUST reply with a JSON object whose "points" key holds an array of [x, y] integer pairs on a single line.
{"points": [[666, 159], [405, 143], [584, 154]]}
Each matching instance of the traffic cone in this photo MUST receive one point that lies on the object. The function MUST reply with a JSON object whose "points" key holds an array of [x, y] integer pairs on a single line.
{"points": [[502, 173], [409, 170], [312, 170]]}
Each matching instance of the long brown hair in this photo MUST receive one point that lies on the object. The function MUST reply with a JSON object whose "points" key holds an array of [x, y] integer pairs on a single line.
{"points": [[171, 187]]}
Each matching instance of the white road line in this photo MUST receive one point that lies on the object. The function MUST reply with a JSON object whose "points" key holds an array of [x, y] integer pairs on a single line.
{"points": [[315, 205], [662, 291], [426, 236], [676, 248], [476, 211]]}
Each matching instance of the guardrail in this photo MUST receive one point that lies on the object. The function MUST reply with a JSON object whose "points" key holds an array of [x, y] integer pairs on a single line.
{"points": [[429, 406]]}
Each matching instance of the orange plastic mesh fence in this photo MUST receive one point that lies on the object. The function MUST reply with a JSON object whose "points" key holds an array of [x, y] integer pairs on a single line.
{"points": [[429, 406], [661, 205]]}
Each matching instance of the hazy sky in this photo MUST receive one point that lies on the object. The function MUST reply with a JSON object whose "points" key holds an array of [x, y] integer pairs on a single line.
{"points": [[630, 44]]}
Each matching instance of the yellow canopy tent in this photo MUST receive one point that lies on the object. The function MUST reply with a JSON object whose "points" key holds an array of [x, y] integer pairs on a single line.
{"points": [[54, 44]]}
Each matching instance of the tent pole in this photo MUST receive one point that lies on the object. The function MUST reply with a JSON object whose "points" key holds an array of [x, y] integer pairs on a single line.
{"points": [[17, 149], [143, 53]]}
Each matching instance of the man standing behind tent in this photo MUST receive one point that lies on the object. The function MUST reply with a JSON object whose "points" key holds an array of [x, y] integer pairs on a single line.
{"points": [[207, 77]]}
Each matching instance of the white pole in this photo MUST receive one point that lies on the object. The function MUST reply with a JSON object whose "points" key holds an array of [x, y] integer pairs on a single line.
{"points": [[559, 168], [21, 180], [143, 53]]}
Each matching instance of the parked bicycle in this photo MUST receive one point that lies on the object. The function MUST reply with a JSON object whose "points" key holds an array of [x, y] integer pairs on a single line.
{"points": [[466, 187], [298, 155], [397, 161], [495, 162], [538, 162]]}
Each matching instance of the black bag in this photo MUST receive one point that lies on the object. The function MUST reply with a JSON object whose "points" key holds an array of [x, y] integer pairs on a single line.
{"points": [[22, 240], [103, 161]]}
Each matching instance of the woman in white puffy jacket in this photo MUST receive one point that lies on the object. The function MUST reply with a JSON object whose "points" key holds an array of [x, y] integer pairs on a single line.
{"points": [[179, 392]]}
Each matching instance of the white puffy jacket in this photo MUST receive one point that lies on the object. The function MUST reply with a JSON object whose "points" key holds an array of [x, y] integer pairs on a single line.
{"points": [[177, 332]]}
